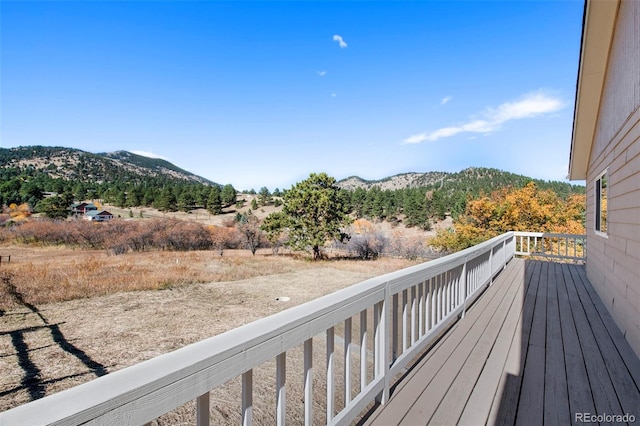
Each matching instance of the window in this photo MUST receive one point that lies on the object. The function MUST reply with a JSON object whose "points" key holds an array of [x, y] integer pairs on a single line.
{"points": [[601, 203]]}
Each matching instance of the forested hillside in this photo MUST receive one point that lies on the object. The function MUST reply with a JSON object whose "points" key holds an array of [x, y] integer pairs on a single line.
{"points": [[74, 164], [49, 179], [29, 174], [449, 195]]}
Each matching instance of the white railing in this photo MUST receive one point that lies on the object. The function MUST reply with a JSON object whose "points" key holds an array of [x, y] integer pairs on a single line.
{"points": [[555, 246], [410, 309]]}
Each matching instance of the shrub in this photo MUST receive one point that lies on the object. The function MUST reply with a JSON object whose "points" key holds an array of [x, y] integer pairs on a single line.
{"points": [[410, 247], [367, 246], [224, 237], [249, 229], [117, 235]]}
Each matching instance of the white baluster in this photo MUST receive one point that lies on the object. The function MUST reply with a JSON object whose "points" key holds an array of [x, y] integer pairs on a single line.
{"points": [[281, 389], [330, 371], [308, 382], [347, 361]]}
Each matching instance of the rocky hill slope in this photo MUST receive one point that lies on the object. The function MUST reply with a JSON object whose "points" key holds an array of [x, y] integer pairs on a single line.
{"points": [[77, 165], [400, 181], [472, 180]]}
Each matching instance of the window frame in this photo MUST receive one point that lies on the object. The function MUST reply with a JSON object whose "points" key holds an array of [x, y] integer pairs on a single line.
{"points": [[599, 197]]}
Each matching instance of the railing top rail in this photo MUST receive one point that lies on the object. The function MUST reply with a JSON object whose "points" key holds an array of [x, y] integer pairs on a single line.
{"points": [[548, 234], [224, 356]]}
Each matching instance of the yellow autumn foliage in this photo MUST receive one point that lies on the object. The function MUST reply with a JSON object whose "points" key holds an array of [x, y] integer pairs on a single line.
{"points": [[508, 209], [362, 226], [20, 212]]}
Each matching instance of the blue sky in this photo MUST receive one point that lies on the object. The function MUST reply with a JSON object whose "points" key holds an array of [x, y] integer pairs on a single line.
{"points": [[264, 93]]}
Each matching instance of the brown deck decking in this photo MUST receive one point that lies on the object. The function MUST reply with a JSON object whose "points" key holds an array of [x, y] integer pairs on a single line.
{"points": [[538, 347]]}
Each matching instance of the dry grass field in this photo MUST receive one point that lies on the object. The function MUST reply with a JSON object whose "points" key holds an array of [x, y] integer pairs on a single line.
{"points": [[68, 316]]}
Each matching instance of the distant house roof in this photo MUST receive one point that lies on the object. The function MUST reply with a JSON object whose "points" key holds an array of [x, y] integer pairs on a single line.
{"points": [[83, 206], [597, 35], [98, 213]]}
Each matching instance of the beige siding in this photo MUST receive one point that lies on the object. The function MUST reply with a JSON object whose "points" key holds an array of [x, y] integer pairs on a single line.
{"points": [[613, 262]]}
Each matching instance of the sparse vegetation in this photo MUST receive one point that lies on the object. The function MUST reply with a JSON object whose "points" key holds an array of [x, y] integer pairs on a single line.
{"points": [[54, 274], [118, 236], [115, 328]]}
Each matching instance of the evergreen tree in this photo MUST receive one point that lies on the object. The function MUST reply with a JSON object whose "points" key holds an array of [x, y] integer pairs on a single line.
{"points": [[166, 201], [415, 209], [186, 201], [31, 191], [264, 196], [228, 195], [54, 207], [148, 197], [120, 199], [312, 214], [134, 196], [358, 197], [438, 208], [214, 203], [202, 195], [458, 202]]}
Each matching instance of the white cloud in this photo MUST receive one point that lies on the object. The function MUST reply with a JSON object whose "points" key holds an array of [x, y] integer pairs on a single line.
{"points": [[340, 41], [322, 73], [333, 95], [416, 138], [148, 154], [531, 105], [446, 99]]}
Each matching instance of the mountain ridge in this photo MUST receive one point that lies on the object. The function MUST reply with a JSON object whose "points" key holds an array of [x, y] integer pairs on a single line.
{"points": [[399, 181], [469, 179], [75, 164]]}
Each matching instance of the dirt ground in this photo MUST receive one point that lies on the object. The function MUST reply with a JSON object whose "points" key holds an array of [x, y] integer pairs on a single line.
{"points": [[50, 347]]}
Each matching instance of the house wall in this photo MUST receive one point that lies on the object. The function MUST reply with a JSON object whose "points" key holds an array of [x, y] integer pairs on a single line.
{"points": [[613, 261]]}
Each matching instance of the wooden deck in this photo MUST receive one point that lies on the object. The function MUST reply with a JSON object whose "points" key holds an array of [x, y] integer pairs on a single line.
{"points": [[538, 347]]}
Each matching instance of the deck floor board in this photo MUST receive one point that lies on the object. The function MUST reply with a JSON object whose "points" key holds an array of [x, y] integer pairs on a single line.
{"points": [[460, 390], [578, 389], [556, 398], [537, 347], [479, 403]]}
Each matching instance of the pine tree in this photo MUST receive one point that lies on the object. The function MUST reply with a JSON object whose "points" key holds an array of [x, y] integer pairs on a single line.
{"points": [[166, 200], [228, 195], [214, 203], [313, 213], [186, 200], [264, 196]]}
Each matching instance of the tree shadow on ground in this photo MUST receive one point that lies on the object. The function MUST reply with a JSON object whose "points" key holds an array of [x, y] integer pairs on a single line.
{"points": [[31, 379]]}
